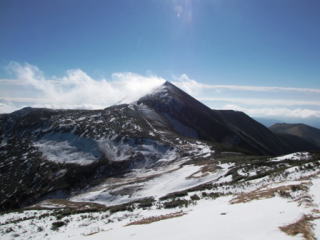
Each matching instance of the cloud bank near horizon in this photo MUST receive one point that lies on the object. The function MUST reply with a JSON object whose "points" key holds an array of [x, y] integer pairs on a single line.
{"points": [[76, 89]]}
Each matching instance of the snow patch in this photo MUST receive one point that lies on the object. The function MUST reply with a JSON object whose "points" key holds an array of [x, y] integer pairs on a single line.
{"points": [[146, 151], [68, 148], [293, 156]]}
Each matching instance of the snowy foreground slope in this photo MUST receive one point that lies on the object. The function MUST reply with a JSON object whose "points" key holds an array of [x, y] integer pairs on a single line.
{"points": [[235, 201]]}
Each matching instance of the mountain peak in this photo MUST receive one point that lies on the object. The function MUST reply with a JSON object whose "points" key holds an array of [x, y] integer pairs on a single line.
{"points": [[165, 92], [168, 84]]}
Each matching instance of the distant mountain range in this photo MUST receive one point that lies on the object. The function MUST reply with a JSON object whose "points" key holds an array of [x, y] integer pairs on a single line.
{"points": [[307, 133], [268, 122]]}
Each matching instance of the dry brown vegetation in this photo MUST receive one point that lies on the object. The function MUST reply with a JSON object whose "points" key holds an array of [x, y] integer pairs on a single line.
{"points": [[157, 218], [302, 226], [204, 171], [63, 203], [283, 191]]}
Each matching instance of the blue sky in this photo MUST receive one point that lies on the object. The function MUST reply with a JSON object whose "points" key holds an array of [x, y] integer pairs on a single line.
{"points": [[194, 43]]}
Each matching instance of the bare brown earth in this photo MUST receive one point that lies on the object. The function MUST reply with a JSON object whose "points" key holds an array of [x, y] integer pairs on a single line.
{"points": [[157, 218]]}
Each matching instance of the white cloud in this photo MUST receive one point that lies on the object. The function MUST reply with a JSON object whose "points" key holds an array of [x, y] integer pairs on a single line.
{"points": [[7, 107], [23, 99], [78, 90], [262, 101], [276, 111], [188, 85]]}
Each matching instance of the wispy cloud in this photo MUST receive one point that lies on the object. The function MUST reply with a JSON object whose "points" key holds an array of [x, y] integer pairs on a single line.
{"points": [[7, 107], [262, 88], [24, 99], [191, 85], [12, 82], [262, 101]]}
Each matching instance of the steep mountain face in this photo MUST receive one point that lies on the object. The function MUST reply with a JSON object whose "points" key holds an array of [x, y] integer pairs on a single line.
{"points": [[254, 133], [298, 143], [305, 132], [190, 118]]}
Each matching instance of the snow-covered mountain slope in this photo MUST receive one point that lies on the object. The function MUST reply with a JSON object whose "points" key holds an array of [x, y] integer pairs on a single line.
{"points": [[47, 153], [255, 198]]}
